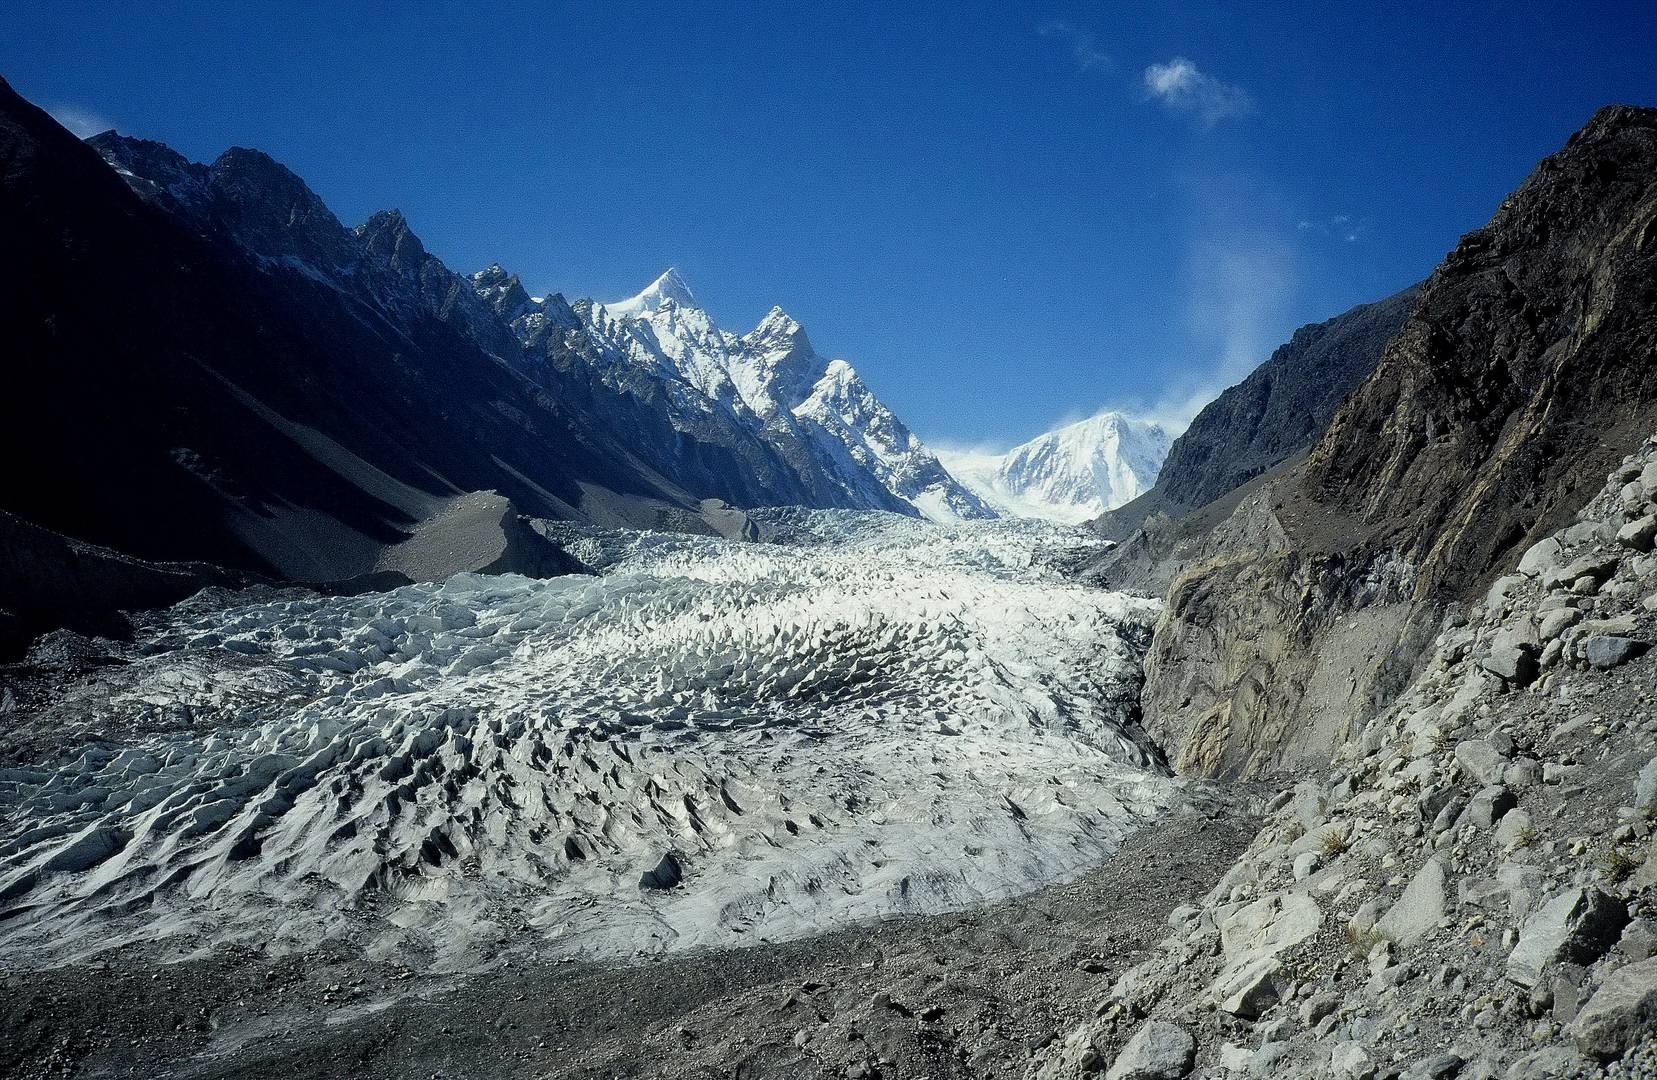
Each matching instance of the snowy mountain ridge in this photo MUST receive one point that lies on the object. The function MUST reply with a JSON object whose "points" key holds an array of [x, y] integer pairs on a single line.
{"points": [[818, 414], [1071, 474]]}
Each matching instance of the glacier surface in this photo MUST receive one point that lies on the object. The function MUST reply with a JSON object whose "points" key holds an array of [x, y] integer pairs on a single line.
{"points": [[706, 743]]}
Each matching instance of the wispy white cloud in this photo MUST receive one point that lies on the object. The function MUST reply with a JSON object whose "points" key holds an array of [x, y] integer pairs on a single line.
{"points": [[1239, 282], [81, 121], [1182, 86], [1083, 45], [1339, 226]]}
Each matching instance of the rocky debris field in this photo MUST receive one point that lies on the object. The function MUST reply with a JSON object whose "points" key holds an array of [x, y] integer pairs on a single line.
{"points": [[973, 994], [1470, 891]]}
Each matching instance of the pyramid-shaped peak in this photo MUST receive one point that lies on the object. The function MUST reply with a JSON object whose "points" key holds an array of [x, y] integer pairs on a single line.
{"points": [[778, 329], [669, 287]]}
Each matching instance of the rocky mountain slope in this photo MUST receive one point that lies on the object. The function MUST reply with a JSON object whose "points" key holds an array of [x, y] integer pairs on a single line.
{"points": [[1522, 373], [203, 364], [1469, 887], [1074, 473], [1274, 413]]}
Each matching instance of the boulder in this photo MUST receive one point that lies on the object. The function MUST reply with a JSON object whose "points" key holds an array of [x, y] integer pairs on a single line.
{"points": [[1350, 1061], [1419, 909], [1540, 557], [1511, 658], [1576, 926], [1556, 622], [1640, 534], [1481, 761], [1490, 805], [1268, 926], [1604, 651], [1621, 1010], [1515, 828], [1596, 567], [1250, 991], [1645, 788], [1157, 1051]]}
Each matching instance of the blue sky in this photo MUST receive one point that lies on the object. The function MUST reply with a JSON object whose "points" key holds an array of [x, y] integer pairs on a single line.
{"points": [[1005, 215]]}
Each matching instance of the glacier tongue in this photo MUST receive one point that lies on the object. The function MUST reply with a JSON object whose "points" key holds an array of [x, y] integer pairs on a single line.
{"points": [[878, 716]]}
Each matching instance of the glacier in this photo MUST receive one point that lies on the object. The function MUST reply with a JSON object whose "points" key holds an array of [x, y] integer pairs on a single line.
{"points": [[704, 742]]}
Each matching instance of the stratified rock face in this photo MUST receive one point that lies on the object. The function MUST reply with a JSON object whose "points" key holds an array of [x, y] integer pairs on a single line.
{"points": [[1524, 371], [1279, 410]]}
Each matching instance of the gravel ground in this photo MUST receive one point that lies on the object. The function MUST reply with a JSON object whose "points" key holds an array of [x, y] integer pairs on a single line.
{"points": [[969, 994]]}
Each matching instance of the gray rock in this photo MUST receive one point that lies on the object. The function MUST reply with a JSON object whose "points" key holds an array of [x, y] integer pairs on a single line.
{"points": [[1309, 806], [1447, 817], [1481, 761], [1437, 1067], [1266, 1059], [1514, 828], [1184, 918], [1511, 659], [1585, 531], [1645, 788], [1639, 535], [1639, 940], [1621, 1010], [1350, 1061], [1317, 1007], [1235, 1059], [1251, 991], [1540, 557], [1432, 801], [1157, 1051], [1496, 599], [1419, 909], [1489, 805], [1576, 926], [1604, 651], [1595, 567], [1305, 865], [1556, 622]]}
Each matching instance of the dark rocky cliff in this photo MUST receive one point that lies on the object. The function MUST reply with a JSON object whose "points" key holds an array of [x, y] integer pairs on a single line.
{"points": [[1527, 367], [1277, 411]]}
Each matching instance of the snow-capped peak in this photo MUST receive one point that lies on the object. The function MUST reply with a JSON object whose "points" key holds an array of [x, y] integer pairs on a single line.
{"points": [[1074, 473], [669, 287]]}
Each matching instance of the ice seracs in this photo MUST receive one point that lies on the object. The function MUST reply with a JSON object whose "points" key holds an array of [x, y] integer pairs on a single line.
{"points": [[878, 716], [1073, 474]]}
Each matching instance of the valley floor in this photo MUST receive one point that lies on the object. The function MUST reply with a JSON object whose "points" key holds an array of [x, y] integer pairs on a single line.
{"points": [[513, 827], [976, 993]]}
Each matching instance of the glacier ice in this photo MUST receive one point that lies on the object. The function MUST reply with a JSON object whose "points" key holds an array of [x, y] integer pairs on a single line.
{"points": [[875, 716]]}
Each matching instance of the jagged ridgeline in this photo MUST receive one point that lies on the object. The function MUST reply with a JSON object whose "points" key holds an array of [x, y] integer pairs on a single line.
{"points": [[207, 365]]}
